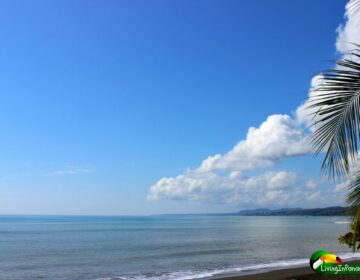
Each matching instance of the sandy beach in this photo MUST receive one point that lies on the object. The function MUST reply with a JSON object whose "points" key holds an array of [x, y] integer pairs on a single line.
{"points": [[299, 273]]}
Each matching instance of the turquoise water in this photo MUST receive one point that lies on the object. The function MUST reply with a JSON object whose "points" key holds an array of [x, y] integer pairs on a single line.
{"points": [[159, 247]]}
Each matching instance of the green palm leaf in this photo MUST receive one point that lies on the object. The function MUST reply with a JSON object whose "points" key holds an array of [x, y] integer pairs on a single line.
{"points": [[354, 187], [337, 116], [354, 201]]}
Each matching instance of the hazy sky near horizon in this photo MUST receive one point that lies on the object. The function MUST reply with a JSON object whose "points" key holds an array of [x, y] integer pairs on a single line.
{"points": [[143, 107]]}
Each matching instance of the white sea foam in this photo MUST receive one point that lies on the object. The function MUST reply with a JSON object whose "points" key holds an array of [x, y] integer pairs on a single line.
{"points": [[342, 222], [208, 274]]}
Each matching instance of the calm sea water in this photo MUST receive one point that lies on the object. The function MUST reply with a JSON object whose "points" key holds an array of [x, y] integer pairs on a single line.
{"points": [[159, 247]]}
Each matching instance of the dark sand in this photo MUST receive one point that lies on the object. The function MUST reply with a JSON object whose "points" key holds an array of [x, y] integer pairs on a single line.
{"points": [[301, 273]]}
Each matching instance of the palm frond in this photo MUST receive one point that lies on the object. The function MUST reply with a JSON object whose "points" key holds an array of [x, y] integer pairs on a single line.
{"points": [[353, 200], [353, 8], [337, 116]]}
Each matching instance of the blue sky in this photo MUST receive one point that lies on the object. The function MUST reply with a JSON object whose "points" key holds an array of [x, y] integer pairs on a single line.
{"points": [[100, 100]]}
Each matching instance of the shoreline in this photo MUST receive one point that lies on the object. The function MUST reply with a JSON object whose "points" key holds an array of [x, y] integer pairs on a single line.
{"points": [[292, 273]]}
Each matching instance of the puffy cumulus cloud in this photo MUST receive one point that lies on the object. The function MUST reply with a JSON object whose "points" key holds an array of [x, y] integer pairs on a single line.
{"points": [[349, 33], [278, 137], [304, 113], [210, 186], [221, 177], [280, 189]]}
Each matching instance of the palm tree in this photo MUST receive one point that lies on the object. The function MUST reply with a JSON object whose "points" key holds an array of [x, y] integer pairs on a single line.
{"points": [[337, 127], [337, 130]]}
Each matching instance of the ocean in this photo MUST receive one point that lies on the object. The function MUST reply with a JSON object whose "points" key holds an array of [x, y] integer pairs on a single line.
{"points": [[160, 247]]}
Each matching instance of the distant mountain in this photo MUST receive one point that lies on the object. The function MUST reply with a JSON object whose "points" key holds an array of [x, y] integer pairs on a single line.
{"points": [[328, 211]]}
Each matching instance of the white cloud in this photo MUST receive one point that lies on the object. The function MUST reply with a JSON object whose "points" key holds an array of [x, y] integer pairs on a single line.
{"points": [[209, 186], [71, 170], [341, 187], [220, 177], [311, 184], [313, 196], [278, 137], [354, 166], [280, 189], [348, 33], [305, 114]]}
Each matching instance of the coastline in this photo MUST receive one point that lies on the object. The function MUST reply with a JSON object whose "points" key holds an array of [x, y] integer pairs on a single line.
{"points": [[294, 273]]}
